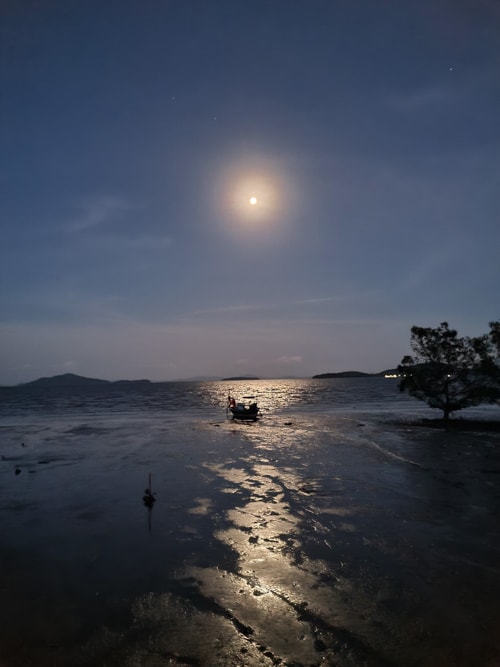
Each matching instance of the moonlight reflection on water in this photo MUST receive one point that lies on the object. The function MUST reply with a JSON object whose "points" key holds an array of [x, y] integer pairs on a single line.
{"points": [[317, 535]]}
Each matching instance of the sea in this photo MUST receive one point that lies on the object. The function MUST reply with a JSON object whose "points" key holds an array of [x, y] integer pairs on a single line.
{"points": [[341, 528], [205, 400], [26, 409]]}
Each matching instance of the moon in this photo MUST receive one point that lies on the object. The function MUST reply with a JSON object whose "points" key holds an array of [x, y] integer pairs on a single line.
{"points": [[252, 192]]}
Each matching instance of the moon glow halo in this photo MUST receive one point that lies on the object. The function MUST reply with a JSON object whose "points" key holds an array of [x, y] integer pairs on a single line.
{"points": [[252, 194]]}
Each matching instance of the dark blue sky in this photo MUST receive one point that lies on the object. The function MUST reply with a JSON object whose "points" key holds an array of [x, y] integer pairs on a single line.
{"points": [[133, 135]]}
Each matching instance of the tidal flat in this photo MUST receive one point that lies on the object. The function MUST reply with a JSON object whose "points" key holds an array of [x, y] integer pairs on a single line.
{"points": [[298, 540]]}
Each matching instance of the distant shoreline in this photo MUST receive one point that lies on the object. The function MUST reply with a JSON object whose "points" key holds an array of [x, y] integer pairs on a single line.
{"points": [[73, 380], [455, 424], [356, 374]]}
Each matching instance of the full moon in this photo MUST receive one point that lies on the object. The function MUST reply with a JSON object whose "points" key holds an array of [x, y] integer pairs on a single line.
{"points": [[251, 195]]}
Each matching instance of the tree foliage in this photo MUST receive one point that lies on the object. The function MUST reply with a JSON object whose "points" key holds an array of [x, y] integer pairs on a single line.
{"points": [[451, 373]]}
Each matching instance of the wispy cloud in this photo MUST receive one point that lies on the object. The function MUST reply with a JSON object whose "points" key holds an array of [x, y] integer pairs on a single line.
{"points": [[455, 88], [103, 212], [97, 211], [293, 359], [271, 307], [314, 300], [432, 266], [70, 365], [236, 308], [146, 242], [422, 99]]}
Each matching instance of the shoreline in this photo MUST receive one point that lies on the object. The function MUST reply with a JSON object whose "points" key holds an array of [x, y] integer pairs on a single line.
{"points": [[455, 424]]}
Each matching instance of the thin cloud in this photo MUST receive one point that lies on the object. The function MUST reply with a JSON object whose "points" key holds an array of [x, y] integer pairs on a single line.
{"points": [[237, 308], [428, 98], [70, 365], [294, 359], [457, 87], [147, 242], [314, 300], [98, 211], [431, 267], [283, 305]]}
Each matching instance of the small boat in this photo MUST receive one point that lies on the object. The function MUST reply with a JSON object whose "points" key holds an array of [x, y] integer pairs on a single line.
{"points": [[248, 411]]}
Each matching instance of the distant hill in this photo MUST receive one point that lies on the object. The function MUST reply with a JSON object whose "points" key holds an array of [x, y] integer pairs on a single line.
{"points": [[356, 374], [198, 378], [72, 380], [344, 374], [129, 382]]}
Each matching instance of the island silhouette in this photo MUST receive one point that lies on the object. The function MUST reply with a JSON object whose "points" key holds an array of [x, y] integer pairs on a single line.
{"points": [[73, 380]]}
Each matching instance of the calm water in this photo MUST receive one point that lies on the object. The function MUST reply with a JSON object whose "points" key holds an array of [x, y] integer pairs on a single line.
{"points": [[331, 532], [207, 399], [378, 398]]}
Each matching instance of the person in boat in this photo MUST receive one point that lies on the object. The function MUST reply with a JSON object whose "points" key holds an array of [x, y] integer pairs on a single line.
{"points": [[231, 401]]}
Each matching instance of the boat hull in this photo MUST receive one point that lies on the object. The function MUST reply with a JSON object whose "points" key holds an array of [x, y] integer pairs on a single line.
{"points": [[244, 415]]}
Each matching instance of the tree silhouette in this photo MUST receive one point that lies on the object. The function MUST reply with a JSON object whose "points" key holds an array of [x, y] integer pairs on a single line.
{"points": [[451, 373]]}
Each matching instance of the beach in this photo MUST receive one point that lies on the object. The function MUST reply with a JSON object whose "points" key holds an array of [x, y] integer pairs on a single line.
{"points": [[306, 540]]}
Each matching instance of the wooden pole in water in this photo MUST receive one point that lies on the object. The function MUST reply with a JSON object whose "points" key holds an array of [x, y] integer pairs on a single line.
{"points": [[148, 497]]}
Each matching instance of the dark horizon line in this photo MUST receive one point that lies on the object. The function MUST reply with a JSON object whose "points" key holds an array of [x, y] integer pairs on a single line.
{"points": [[69, 379]]}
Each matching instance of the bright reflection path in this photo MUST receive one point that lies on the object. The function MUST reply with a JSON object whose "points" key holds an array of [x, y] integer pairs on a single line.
{"points": [[309, 538], [271, 592], [303, 539]]}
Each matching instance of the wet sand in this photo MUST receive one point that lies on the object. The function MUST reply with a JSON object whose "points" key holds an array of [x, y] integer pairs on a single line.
{"points": [[302, 541]]}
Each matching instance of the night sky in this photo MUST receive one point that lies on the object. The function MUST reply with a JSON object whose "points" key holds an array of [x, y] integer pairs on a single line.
{"points": [[135, 132]]}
